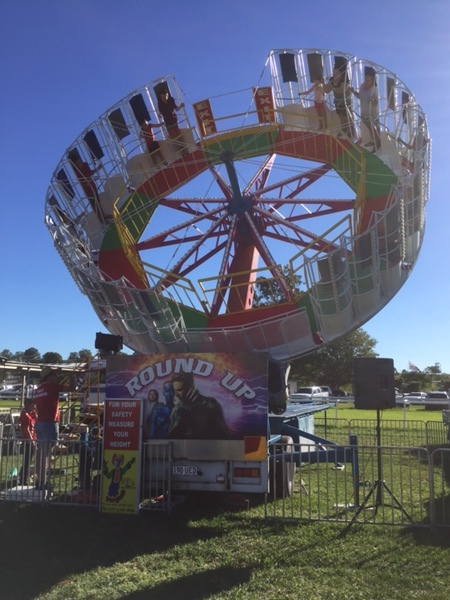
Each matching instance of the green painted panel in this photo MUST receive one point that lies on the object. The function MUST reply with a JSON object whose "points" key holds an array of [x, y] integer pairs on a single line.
{"points": [[379, 178], [305, 303], [135, 217], [192, 318], [243, 145]]}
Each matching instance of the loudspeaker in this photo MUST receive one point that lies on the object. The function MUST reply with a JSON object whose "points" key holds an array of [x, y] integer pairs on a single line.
{"points": [[373, 383], [277, 386], [108, 343]]}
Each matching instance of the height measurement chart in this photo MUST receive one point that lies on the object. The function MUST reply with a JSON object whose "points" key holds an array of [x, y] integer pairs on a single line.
{"points": [[122, 432]]}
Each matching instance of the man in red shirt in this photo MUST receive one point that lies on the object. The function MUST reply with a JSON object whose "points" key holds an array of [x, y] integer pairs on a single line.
{"points": [[27, 422], [46, 398]]}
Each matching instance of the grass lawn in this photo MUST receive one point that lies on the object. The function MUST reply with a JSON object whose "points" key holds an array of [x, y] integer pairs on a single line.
{"points": [[413, 413], [207, 549], [204, 550]]}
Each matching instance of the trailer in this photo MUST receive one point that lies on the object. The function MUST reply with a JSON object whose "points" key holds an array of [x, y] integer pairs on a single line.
{"points": [[213, 422]]}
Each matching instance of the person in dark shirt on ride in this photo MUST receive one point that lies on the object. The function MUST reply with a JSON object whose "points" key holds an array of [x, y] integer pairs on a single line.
{"points": [[167, 108], [339, 85], [84, 175], [195, 416]]}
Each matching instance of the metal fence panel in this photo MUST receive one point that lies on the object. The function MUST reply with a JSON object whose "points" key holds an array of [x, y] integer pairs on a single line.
{"points": [[73, 477], [398, 432], [346, 483], [440, 484], [386, 485], [156, 492]]}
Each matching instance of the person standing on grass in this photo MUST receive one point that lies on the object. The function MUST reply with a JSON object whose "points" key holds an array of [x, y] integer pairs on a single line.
{"points": [[46, 398], [27, 422]]}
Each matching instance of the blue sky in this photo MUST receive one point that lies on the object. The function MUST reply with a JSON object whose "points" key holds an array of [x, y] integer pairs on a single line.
{"points": [[64, 62]]}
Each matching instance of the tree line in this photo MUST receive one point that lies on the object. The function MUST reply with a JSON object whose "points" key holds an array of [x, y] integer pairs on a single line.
{"points": [[33, 356], [330, 365]]}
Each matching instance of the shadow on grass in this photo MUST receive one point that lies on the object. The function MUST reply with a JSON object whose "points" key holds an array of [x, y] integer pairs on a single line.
{"points": [[41, 546], [197, 586]]}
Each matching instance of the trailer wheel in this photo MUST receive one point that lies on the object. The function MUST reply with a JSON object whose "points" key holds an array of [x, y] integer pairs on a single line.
{"points": [[282, 470]]}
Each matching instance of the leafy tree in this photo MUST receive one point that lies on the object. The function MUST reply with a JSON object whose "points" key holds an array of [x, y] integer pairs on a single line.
{"points": [[85, 355], [435, 369], [268, 291], [53, 358], [332, 365], [7, 354], [80, 356], [32, 355], [412, 381]]}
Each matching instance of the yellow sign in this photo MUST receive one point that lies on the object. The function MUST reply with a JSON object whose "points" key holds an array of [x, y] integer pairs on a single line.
{"points": [[120, 477]]}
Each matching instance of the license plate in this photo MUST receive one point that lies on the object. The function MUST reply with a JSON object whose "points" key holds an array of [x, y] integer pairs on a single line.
{"points": [[184, 470]]}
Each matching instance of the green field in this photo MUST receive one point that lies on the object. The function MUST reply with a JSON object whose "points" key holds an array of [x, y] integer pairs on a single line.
{"points": [[205, 550], [211, 548]]}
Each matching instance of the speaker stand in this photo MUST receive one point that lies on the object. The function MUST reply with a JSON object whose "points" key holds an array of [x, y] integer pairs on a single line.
{"points": [[379, 486]]}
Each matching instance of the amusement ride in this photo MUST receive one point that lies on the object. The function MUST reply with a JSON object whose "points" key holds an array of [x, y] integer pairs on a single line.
{"points": [[252, 221]]}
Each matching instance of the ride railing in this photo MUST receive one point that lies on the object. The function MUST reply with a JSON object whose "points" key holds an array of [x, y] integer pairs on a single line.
{"points": [[290, 333], [268, 287], [356, 270], [110, 147], [158, 308], [294, 70], [327, 274], [114, 139]]}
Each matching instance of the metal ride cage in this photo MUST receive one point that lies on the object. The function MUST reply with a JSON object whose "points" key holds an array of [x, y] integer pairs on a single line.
{"points": [[172, 266]]}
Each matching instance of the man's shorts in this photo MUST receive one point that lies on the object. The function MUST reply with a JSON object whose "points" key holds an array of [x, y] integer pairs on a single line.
{"points": [[47, 432]]}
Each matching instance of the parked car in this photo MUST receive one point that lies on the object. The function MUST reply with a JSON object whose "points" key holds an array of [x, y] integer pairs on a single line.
{"points": [[415, 396], [15, 391], [326, 390], [437, 396], [12, 391], [401, 400], [339, 394], [309, 394], [437, 401]]}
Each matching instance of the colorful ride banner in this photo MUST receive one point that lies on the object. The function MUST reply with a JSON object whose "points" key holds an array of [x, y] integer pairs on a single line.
{"points": [[204, 396], [205, 118], [121, 456], [264, 105]]}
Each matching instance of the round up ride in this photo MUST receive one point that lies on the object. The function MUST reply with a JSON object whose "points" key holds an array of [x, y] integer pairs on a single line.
{"points": [[275, 218]]}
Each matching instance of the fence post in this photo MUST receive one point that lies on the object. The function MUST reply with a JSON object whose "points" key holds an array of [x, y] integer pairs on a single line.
{"points": [[431, 488], [353, 441]]}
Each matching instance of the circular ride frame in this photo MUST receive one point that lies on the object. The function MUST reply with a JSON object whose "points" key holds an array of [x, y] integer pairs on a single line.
{"points": [[262, 267]]}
